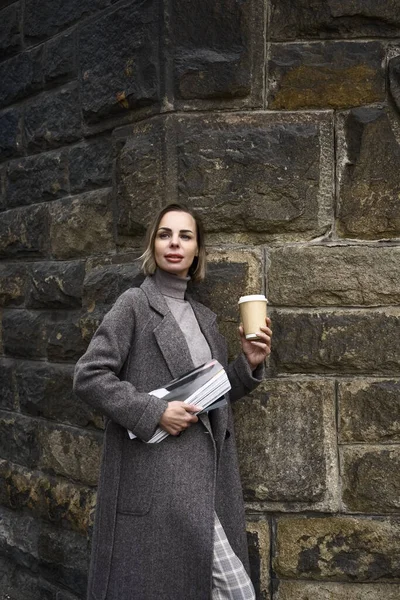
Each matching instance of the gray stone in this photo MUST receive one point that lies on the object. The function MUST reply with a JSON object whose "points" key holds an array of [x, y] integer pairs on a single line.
{"points": [[289, 427], [48, 18], [70, 452], [45, 390], [24, 334], [20, 76], [17, 583], [338, 19], [8, 399], [369, 410], [119, 64], [296, 590], [63, 336], [36, 179], [55, 284], [258, 538], [19, 439], [11, 143], [368, 162], [325, 75], [13, 281], [53, 119], [60, 57], [371, 479], [337, 341], [338, 548], [82, 225], [10, 37], [91, 165], [334, 275], [24, 232]]}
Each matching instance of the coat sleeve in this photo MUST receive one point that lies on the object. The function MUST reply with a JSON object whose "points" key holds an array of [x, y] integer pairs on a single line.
{"points": [[97, 380], [242, 379]]}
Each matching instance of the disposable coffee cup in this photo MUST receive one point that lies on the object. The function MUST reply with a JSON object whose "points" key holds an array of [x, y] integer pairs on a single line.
{"points": [[253, 310]]}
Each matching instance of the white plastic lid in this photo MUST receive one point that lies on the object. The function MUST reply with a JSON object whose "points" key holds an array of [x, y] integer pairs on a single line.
{"points": [[254, 297]]}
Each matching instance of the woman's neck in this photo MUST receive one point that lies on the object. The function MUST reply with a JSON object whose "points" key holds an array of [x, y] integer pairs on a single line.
{"points": [[171, 285]]}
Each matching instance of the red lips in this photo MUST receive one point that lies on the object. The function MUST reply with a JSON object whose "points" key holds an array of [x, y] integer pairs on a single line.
{"points": [[173, 256]]}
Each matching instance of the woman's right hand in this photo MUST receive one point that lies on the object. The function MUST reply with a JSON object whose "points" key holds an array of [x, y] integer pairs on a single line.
{"points": [[178, 417]]}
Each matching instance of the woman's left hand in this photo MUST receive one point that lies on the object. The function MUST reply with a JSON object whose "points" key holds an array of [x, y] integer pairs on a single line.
{"points": [[257, 352]]}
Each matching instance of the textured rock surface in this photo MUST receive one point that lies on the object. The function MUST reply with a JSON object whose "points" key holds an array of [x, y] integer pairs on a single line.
{"points": [[55, 285], [258, 536], [21, 76], [10, 38], [13, 281], [10, 132], [24, 232], [293, 590]]}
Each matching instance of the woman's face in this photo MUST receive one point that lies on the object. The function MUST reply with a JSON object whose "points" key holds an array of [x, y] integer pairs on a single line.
{"points": [[175, 245]]}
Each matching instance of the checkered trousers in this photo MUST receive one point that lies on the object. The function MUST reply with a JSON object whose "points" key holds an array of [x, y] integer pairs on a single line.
{"points": [[229, 578]]}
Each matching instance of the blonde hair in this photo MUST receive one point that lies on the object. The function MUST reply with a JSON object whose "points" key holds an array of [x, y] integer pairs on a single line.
{"points": [[197, 270]]}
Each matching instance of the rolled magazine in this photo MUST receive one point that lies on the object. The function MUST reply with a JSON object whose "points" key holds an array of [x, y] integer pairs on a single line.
{"points": [[204, 386]]}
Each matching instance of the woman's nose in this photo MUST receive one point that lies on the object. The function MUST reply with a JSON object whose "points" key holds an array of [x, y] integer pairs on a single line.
{"points": [[174, 241]]}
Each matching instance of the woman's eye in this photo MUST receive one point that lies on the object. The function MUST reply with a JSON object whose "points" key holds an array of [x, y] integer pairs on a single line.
{"points": [[163, 236]]}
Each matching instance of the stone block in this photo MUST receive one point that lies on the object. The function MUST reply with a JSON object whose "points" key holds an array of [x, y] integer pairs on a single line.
{"points": [[13, 281], [290, 428], [8, 398], [24, 334], [24, 232], [16, 583], [45, 390], [337, 341], [46, 19], [140, 175], [325, 75], [258, 538], [257, 174], [368, 161], [10, 37], [55, 284], [394, 80], [217, 51], [91, 165], [36, 179], [19, 439], [339, 19], [371, 478], [52, 499], [298, 590], [334, 275], [60, 57], [11, 143], [20, 76], [120, 63], [82, 225], [69, 452], [53, 119], [338, 549], [63, 336], [369, 411]]}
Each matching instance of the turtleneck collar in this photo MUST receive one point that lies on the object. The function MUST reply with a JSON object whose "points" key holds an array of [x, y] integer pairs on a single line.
{"points": [[171, 285]]}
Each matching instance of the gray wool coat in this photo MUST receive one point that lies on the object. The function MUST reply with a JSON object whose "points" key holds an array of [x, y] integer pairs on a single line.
{"points": [[153, 534]]}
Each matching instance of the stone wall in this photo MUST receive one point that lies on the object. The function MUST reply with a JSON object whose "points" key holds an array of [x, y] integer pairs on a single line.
{"points": [[279, 121]]}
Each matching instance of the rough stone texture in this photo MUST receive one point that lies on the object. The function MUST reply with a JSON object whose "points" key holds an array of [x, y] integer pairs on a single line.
{"points": [[258, 536], [55, 285], [53, 119], [61, 451], [82, 225], [36, 179], [338, 548], [119, 64], [290, 428], [394, 80], [11, 141], [20, 76], [369, 411], [10, 38], [24, 232], [90, 165], [60, 58], [368, 159], [371, 479], [52, 499], [296, 590], [18, 439], [7, 385], [334, 275], [338, 18], [12, 284], [218, 58], [325, 75], [336, 340]]}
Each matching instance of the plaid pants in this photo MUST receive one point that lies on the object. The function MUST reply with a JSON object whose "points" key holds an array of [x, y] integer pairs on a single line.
{"points": [[229, 578]]}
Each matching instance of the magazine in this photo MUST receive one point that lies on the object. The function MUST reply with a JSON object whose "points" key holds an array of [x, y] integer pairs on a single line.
{"points": [[204, 386]]}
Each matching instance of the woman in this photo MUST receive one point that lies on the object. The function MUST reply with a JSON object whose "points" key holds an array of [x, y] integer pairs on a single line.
{"points": [[169, 520]]}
